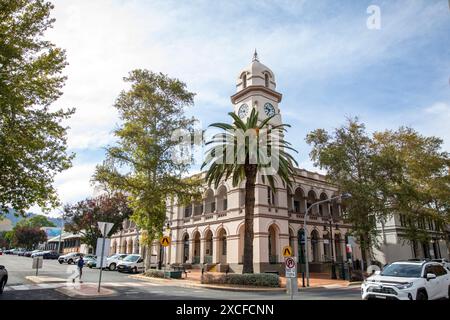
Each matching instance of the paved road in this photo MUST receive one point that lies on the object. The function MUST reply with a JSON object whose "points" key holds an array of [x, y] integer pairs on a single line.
{"points": [[19, 288]]}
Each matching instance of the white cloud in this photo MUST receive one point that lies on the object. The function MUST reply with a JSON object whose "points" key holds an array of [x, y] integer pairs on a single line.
{"points": [[206, 46]]}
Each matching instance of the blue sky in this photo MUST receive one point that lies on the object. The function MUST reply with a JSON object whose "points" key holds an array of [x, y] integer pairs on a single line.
{"points": [[327, 63]]}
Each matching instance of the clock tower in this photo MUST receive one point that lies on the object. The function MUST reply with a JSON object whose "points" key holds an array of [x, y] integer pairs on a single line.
{"points": [[255, 88]]}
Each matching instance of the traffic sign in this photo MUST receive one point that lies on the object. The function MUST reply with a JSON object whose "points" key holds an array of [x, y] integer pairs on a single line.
{"points": [[165, 241], [105, 227], [99, 247], [37, 263], [287, 251], [291, 270]]}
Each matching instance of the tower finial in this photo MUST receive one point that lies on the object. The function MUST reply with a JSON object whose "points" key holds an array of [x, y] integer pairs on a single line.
{"points": [[255, 56]]}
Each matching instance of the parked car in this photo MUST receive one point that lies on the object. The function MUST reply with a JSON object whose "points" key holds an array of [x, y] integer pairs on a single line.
{"points": [[19, 251], [408, 280], [131, 263], [92, 263], [86, 258], [69, 258], [50, 255], [1, 252], [444, 262], [113, 261], [3, 278], [36, 253], [27, 253]]}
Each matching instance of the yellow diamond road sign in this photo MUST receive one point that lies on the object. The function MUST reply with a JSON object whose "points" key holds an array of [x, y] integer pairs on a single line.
{"points": [[287, 251], [165, 241]]}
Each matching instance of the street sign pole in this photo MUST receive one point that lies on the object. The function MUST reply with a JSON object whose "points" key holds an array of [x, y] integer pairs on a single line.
{"points": [[101, 258]]}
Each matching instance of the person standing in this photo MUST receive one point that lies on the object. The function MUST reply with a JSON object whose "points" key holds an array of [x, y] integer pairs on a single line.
{"points": [[80, 265]]}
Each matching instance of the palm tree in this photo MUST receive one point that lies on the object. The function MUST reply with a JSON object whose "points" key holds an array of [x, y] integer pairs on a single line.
{"points": [[242, 159]]}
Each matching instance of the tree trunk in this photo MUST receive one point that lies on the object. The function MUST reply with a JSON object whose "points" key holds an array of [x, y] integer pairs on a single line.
{"points": [[250, 175]]}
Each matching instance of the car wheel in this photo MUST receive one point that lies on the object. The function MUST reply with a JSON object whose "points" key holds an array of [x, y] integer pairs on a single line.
{"points": [[135, 270], [2, 285], [70, 261], [112, 267], [421, 295]]}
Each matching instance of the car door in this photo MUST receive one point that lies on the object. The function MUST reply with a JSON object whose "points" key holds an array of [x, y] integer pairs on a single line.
{"points": [[444, 281], [431, 285], [140, 264]]}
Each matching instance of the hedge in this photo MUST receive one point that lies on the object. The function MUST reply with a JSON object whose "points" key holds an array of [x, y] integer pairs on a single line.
{"points": [[154, 273], [246, 279]]}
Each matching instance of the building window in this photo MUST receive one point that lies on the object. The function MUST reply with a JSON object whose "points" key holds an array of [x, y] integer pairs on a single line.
{"points": [[296, 206], [187, 211], [266, 77], [270, 196], [244, 81], [402, 220]]}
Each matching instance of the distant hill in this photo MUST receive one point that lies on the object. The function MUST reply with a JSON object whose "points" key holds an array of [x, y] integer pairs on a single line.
{"points": [[8, 221]]}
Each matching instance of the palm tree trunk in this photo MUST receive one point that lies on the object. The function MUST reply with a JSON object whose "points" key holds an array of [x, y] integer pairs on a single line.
{"points": [[250, 175]]}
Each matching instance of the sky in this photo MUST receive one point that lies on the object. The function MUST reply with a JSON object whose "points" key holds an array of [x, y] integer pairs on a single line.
{"points": [[328, 64]]}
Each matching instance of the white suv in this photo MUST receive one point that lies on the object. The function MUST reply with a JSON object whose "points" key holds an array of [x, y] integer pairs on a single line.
{"points": [[408, 280]]}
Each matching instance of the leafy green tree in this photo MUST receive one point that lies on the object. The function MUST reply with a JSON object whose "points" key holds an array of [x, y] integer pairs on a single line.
{"points": [[141, 164], [6, 239], [37, 221], [418, 181], [390, 172], [31, 135], [347, 156], [28, 237], [238, 159], [83, 217]]}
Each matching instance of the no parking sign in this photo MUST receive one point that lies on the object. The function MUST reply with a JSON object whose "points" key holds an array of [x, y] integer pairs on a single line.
{"points": [[291, 269]]}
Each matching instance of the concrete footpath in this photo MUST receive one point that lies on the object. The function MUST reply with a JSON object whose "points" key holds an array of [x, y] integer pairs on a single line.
{"points": [[193, 280]]}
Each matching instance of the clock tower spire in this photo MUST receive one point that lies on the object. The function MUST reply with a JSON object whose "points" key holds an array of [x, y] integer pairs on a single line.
{"points": [[255, 86]]}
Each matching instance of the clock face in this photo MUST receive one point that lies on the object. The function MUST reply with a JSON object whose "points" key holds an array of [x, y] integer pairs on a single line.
{"points": [[269, 109], [243, 110]]}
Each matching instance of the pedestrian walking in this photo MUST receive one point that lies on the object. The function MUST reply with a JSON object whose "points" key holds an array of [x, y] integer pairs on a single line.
{"points": [[80, 265]]}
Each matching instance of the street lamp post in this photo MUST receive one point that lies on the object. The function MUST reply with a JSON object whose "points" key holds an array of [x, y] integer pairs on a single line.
{"points": [[161, 248], [342, 196], [333, 266]]}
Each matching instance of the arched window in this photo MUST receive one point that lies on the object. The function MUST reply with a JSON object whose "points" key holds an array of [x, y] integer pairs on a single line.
{"points": [[270, 196], [244, 81], [266, 78]]}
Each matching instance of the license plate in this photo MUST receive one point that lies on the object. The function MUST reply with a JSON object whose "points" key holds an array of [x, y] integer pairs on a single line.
{"points": [[381, 297]]}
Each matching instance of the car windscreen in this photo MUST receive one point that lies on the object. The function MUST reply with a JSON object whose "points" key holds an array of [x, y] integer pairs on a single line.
{"points": [[402, 270], [131, 258]]}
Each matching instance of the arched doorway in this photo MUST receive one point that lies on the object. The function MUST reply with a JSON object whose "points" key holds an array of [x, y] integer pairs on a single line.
{"points": [[222, 246], [130, 247], [196, 258], [208, 247], [124, 246], [185, 248], [272, 245], [315, 246]]}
